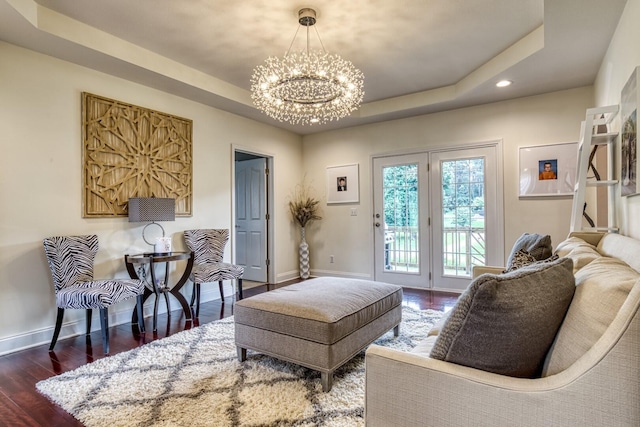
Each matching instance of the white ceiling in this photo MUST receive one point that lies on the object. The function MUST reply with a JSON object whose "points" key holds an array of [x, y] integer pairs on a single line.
{"points": [[418, 56]]}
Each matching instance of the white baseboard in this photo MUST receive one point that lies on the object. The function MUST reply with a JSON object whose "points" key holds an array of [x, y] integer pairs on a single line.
{"points": [[118, 315], [75, 324], [287, 275], [345, 274]]}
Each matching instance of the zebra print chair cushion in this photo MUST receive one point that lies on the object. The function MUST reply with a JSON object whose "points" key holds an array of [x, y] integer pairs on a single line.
{"points": [[214, 272], [70, 260]]}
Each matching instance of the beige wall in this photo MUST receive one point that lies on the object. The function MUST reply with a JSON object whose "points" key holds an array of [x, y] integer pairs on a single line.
{"points": [[41, 184], [622, 57], [545, 119]]}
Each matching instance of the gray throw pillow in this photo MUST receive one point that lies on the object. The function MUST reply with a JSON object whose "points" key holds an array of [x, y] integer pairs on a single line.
{"points": [[506, 323], [537, 245]]}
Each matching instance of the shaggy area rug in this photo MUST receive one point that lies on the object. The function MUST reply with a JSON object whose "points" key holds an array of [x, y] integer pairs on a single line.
{"points": [[193, 378]]}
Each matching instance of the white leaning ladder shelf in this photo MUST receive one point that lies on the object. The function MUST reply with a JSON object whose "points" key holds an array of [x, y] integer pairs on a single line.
{"points": [[595, 132]]}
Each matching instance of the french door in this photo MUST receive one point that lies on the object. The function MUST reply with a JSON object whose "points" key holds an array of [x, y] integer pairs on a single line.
{"points": [[401, 231], [436, 214], [467, 221]]}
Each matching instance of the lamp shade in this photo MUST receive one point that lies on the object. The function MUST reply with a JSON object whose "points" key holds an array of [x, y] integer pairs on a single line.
{"points": [[151, 209]]}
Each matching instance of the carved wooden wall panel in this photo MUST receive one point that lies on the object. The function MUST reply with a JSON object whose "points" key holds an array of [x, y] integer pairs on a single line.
{"points": [[130, 151]]}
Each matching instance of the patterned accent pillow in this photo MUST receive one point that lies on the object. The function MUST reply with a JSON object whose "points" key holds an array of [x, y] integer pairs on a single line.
{"points": [[506, 323], [523, 258], [519, 260], [537, 245]]}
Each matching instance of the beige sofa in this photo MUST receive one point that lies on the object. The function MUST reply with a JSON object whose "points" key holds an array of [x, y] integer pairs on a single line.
{"points": [[590, 375]]}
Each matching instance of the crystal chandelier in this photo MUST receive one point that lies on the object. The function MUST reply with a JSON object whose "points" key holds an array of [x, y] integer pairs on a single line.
{"points": [[307, 87]]}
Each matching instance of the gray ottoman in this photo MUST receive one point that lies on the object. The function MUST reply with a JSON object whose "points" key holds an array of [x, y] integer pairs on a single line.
{"points": [[320, 323]]}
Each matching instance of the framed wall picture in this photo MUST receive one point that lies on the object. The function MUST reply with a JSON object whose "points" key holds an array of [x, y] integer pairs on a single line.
{"points": [[630, 97], [548, 170], [343, 185]]}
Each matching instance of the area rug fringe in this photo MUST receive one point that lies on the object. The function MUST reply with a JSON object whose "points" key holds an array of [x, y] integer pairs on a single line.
{"points": [[193, 378]]}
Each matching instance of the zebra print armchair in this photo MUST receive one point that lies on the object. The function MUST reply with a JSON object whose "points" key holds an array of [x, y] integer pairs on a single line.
{"points": [[208, 248], [70, 260]]}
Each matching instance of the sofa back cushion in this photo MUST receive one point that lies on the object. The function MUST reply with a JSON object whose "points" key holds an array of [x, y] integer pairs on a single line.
{"points": [[602, 286], [580, 252], [622, 247], [506, 323]]}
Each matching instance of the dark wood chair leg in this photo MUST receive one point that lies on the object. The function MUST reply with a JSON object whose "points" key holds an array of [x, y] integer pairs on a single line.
{"points": [[221, 290], [104, 324], [240, 288], [56, 331], [193, 294], [196, 297], [89, 315], [139, 308]]}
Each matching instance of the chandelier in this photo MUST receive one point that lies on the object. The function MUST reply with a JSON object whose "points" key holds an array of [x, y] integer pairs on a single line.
{"points": [[307, 87]]}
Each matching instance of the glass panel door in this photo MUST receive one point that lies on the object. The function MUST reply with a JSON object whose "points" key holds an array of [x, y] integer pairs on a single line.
{"points": [[467, 225], [401, 220]]}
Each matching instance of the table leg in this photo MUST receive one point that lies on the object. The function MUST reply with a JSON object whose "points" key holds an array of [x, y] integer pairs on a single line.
{"points": [[156, 291], [175, 290]]}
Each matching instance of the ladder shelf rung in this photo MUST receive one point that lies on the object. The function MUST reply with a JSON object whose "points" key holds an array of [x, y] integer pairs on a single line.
{"points": [[603, 138], [610, 229], [602, 183]]}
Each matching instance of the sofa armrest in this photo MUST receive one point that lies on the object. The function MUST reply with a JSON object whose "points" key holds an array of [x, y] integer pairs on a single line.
{"points": [[481, 269], [406, 389]]}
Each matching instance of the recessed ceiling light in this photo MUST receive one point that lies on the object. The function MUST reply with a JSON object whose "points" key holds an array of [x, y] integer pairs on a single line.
{"points": [[504, 83]]}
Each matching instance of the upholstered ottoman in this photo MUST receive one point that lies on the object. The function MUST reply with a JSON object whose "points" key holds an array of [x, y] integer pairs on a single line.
{"points": [[320, 323]]}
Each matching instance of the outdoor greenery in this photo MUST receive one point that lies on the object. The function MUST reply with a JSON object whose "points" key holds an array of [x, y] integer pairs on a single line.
{"points": [[401, 196], [462, 194]]}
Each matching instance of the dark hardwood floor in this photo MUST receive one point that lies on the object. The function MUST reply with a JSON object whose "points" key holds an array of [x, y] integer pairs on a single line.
{"points": [[22, 405]]}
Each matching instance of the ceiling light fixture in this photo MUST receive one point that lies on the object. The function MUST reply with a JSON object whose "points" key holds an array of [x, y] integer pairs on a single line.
{"points": [[504, 83], [307, 87]]}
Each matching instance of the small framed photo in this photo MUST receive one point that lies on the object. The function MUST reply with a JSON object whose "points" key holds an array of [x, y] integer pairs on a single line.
{"points": [[343, 184], [548, 170]]}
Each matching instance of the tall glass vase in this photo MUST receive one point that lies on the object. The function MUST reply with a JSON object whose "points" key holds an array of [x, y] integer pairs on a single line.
{"points": [[303, 252]]}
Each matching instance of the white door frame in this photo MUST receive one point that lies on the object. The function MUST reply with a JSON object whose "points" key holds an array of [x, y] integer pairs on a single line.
{"points": [[271, 269]]}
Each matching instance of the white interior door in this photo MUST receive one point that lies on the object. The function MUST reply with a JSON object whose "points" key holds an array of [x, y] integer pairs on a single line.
{"points": [[467, 221], [251, 218], [401, 221]]}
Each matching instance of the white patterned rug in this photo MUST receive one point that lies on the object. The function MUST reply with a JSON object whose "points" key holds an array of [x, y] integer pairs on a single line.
{"points": [[193, 378]]}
